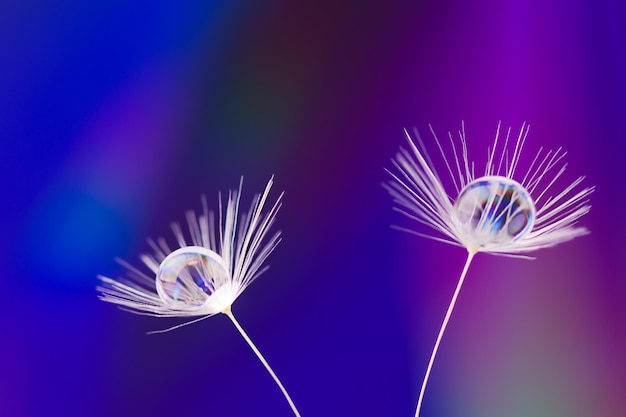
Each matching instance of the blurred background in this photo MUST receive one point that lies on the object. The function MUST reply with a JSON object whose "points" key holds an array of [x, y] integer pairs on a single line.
{"points": [[115, 117]]}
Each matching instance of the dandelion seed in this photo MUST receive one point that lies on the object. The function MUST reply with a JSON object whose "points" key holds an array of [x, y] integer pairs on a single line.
{"points": [[502, 212], [206, 274]]}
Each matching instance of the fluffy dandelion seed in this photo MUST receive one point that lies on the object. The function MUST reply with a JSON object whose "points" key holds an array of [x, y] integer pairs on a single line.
{"points": [[206, 274], [503, 211]]}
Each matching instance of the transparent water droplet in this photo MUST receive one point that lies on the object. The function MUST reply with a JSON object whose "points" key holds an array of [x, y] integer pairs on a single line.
{"points": [[188, 276], [494, 210]]}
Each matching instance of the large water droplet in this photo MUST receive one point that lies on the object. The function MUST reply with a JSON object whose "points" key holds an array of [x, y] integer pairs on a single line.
{"points": [[494, 210], [188, 276]]}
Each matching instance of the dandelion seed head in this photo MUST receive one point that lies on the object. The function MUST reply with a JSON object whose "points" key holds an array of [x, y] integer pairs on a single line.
{"points": [[509, 210], [215, 261]]}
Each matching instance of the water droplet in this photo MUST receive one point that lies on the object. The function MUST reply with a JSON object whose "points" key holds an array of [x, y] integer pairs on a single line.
{"points": [[494, 210], [188, 276]]}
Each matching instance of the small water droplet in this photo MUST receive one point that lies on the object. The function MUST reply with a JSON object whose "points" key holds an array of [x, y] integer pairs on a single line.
{"points": [[494, 210], [188, 276]]}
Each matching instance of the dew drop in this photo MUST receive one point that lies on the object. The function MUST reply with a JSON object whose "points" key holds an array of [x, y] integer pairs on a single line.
{"points": [[188, 276], [494, 210]]}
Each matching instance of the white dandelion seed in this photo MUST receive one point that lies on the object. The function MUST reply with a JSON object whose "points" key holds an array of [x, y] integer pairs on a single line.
{"points": [[205, 275], [502, 211]]}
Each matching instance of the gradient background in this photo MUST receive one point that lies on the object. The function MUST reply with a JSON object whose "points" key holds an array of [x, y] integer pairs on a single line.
{"points": [[116, 117]]}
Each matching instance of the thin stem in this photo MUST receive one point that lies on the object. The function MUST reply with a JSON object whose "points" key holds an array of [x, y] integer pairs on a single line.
{"points": [[229, 313], [470, 256]]}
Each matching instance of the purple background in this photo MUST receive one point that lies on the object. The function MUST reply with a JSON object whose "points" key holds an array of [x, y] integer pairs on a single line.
{"points": [[116, 117]]}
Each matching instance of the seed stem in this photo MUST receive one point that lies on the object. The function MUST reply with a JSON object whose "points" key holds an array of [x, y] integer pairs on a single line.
{"points": [[470, 256], [230, 315]]}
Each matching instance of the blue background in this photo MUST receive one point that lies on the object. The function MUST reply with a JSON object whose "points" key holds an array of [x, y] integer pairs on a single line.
{"points": [[115, 117]]}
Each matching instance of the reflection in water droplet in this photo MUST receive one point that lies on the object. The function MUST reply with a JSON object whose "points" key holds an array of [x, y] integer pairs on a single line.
{"points": [[494, 210], [189, 276]]}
